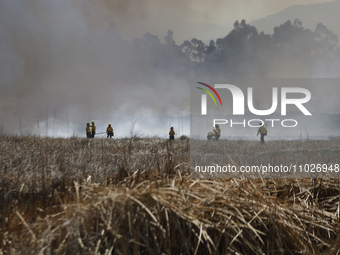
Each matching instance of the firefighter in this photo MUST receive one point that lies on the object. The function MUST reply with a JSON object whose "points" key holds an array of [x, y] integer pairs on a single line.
{"points": [[217, 131], [93, 129], [262, 131], [109, 131], [172, 134], [88, 130]]}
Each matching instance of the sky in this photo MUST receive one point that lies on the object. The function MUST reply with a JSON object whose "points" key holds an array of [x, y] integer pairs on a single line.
{"points": [[57, 68], [135, 17]]}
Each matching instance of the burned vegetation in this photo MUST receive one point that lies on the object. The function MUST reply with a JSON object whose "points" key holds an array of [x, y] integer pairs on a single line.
{"points": [[136, 196]]}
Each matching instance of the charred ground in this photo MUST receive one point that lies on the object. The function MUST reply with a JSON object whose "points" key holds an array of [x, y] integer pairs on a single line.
{"points": [[135, 196]]}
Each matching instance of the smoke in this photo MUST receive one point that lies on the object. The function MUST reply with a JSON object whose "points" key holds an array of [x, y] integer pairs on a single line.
{"points": [[62, 65], [57, 67], [201, 19]]}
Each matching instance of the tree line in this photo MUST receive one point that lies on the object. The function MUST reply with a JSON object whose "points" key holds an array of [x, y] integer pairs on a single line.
{"points": [[291, 51]]}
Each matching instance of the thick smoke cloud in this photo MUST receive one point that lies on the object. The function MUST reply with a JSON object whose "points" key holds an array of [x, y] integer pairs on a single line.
{"points": [[55, 61], [204, 20], [63, 64]]}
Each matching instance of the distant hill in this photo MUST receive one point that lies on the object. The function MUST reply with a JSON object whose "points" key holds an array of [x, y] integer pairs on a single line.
{"points": [[158, 23], [310, 15], [187, 31], [326, 13], [204, 32]]}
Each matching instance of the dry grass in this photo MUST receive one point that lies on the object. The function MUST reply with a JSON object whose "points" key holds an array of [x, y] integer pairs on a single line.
{"points": [[274, 153], [135, 196]]}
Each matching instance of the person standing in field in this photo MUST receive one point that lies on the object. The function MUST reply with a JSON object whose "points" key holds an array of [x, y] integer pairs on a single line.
{"points": [[217, 131], [109, 131], [93, 129], [262, 131], [88, 130], [172, 134]]}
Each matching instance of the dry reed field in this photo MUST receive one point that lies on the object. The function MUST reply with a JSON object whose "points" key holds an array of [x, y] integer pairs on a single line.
{"points": [[296, 155], [136, 196]]}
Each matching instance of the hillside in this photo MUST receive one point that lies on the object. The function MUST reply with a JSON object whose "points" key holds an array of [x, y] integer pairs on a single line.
{"points": [[310, 15]]}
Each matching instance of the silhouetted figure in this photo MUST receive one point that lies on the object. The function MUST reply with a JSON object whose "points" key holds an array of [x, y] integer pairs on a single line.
{"points": [[88, 130], [109, 131], [262, 131], [172, 134], [93, 129]]}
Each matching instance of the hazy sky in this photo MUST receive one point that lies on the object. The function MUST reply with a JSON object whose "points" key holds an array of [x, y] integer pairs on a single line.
{"points": [[57, 62], [136, 17], [229, 11]]}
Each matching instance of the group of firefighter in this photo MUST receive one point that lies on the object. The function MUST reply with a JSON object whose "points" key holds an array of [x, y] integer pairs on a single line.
{"points": [[217, 132], [91, 130], [215, 135]]}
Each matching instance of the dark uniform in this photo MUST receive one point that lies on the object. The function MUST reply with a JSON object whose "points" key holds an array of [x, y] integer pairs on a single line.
{"points": [[109, 131], [88, 130], [217, 132], [172, 134], [262, 131], [93, 130]]}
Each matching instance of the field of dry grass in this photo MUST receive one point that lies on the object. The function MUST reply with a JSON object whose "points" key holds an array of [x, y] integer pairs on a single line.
{"points": [[292, 154], [136, 196]]}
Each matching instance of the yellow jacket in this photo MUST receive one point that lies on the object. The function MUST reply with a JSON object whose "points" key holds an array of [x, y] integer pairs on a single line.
{"points": [[217, 131], [109, 129], [93, 127], [262, 130], [172, 132], [88, 129]]}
